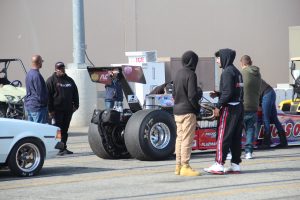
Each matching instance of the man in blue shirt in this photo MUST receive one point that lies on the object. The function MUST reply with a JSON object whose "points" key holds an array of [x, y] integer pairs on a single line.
{"points": [[113, 91], [36, 99]]}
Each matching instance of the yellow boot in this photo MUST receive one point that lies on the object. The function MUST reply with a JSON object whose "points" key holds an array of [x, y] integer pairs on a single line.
{"points": [[177, 169], [186, 170]]}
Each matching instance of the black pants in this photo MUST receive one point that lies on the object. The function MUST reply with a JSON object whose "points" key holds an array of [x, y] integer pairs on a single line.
{"points": [[229, 133], [62, 120]]}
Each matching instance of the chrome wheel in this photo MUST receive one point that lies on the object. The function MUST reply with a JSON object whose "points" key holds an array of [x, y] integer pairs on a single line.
{"points": [[28, 157], [160, 135]]}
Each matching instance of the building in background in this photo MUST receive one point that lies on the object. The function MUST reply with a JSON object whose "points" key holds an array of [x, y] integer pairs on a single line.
{"points": [[258, 28]]}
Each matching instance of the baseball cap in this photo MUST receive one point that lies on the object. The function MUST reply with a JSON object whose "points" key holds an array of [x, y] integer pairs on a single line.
{"points": [[59, 65]]}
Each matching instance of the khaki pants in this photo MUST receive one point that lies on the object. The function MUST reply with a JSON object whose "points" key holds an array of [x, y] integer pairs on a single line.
{"points": [[186, 126]]}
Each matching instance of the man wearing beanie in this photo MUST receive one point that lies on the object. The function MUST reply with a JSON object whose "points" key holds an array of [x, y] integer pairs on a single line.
{"points": [[230, 112], [63, 101], [186, 107]]}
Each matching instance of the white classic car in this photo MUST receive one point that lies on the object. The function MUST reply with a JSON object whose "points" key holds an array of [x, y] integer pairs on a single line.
{"points": [[25, 145]]}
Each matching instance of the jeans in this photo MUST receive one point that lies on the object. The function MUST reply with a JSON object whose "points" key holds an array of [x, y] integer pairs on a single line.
{"points": [[40, 116], [109, 103], [270, 112], [250, 124]]}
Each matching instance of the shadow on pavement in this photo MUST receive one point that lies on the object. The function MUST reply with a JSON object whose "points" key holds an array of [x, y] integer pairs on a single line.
{"points": [[5, 175]]}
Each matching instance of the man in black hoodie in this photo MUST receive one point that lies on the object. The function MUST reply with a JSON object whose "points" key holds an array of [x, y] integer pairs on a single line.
{"points": [[63, 101], [186, 107], [230, 111]]}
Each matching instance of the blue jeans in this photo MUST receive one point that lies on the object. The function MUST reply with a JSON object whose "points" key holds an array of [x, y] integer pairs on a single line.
{"points": [[40, 116], [250, 124], [270, 112], [109, 103]]}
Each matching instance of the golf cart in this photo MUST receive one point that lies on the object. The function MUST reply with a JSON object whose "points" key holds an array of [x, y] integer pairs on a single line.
{"points": [[292, 106], [145, 132], [11, 91]]}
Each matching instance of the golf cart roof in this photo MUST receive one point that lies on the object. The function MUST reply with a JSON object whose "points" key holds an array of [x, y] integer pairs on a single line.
{"points": [[10, 59], [295, 59], [6, 62]]}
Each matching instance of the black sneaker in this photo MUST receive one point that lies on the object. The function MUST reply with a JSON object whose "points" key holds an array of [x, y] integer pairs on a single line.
{"points": [[279, 146], [61, 152], [68, 151], [264, 147]]}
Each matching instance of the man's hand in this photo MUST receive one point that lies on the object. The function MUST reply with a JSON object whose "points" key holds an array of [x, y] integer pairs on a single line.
{"points": [[214, 94], [51, 114], [259, 108], [216, 112], [74, 109]]}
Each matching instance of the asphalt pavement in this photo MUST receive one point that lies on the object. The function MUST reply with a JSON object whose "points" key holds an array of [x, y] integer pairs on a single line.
{"points": [[272, 174]]}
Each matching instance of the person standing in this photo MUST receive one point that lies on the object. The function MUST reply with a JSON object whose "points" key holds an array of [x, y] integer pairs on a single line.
{"points": [[36, 98], [186, 107], [63, 101], [230, 111], [113, 91], [252, 82], [268, 103]]}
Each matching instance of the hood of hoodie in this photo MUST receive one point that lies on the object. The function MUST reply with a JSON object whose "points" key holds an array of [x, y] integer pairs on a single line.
{"points": [[252, 70], [190, 60], [227, 57]]}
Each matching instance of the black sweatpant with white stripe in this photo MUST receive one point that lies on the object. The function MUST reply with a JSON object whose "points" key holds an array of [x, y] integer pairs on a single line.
{"points": [[229, 133]]}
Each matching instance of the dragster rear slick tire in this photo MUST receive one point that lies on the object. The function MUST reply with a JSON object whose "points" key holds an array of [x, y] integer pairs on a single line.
{"points": [[107, 147], [150, 135]]}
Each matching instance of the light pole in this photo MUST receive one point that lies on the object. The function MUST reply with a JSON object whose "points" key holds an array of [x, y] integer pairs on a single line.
{"points": [[77, 70]]}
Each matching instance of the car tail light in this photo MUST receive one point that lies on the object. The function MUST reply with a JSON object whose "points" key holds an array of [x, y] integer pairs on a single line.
{"points": [[58, 134]]}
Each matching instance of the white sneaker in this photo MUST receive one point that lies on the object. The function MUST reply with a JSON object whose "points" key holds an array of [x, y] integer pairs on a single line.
{"points": [[215, 169], [248, 155], [233, 169], [229, 156]]}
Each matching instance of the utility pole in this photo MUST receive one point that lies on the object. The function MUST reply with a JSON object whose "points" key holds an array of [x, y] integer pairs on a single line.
{"points": [[78, 33], [77, 70]]}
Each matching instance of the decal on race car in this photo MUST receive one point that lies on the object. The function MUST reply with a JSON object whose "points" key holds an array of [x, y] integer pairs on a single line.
{"points": [[132, 99]]}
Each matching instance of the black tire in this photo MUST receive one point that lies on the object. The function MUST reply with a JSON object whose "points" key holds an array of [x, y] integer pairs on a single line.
{"points": [[286, 107], [140, 135], [3, 109], [26, 157], [111, 146]]}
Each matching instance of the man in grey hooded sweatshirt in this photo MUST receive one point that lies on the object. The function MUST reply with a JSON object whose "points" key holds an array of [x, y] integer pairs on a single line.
{"points": [[252, 83]]}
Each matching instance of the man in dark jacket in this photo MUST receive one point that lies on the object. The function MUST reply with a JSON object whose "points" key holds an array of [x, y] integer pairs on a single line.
{"points": [[229, 109], [186, 107], [267, 101], [63, 101]]}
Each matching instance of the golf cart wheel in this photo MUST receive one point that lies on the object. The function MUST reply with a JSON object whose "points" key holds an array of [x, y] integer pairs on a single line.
{"points": [[27, 157], [107, 142], [150, 135]]}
